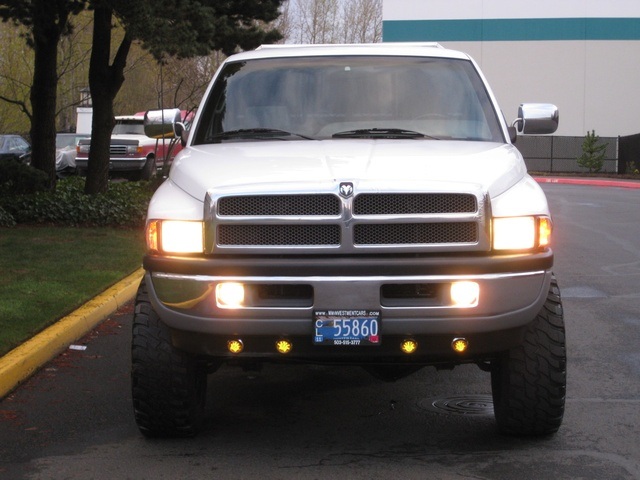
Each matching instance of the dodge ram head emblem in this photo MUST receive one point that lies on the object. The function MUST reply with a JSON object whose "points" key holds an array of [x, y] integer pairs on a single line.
{"points": [[346, 189]]}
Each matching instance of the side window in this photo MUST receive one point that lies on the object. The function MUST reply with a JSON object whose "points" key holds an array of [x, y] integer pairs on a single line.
{"points": [[22, 145]]}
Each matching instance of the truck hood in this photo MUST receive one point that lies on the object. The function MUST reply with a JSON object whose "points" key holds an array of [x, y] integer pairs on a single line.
{"points": [[374, 165]]}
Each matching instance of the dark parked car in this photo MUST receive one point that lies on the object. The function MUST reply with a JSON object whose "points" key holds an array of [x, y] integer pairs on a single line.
{"points": [[15, 147]]}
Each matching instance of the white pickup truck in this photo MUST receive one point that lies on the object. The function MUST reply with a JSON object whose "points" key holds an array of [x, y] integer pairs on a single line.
{"points": [[350, 205]]}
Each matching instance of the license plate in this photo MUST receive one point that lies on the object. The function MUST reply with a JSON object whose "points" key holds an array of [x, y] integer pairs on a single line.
{"points": [[347, 327]]}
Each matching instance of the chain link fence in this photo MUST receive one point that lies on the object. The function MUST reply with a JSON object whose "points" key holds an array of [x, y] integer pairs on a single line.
{"points": [[560, 154]]}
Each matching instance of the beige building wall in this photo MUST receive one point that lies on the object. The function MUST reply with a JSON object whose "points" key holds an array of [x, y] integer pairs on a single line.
{"points": [[582, 55], [596, 85]]}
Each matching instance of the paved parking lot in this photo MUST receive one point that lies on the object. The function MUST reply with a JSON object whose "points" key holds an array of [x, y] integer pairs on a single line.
{"points": [[73, 420]]}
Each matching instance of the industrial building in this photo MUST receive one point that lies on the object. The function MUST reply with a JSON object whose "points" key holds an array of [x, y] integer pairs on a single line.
{"points": [[581, 55]]}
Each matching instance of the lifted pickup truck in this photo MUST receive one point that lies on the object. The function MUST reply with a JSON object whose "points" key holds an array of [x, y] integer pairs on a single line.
{"points": [[131, 153], [350, 205]]}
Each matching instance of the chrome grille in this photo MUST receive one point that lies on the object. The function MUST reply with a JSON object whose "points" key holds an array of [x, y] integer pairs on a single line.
{"points": [[279, 235], [279, 205], [118, 150], [413, 203], [369, 222], [415, 233]]}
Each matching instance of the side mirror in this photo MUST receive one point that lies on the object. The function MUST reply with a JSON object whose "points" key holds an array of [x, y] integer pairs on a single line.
{"points": [[163, 123], [537, 118]]}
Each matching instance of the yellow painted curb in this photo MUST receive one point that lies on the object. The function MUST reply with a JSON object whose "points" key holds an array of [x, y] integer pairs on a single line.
{"points": [[21, 362]]}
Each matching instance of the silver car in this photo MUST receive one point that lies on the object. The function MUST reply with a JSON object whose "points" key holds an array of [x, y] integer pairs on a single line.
{"points": [[66, 144]]}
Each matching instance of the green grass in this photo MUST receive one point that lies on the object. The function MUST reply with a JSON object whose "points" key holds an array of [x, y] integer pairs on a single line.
{"points": [[47, 272]]}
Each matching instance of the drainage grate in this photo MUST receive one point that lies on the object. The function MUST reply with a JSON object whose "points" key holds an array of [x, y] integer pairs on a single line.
{"points": [[459, 405]]}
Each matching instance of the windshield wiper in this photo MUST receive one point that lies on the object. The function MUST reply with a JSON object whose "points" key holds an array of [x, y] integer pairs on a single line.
{"points": [[381, 133], [256, 133]]}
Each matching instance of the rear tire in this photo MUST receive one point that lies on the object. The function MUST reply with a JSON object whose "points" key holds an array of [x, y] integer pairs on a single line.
{"points": [[168, 385], [529, 381]]}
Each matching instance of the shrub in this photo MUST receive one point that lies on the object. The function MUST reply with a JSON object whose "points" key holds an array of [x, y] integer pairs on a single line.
{"points": [[6, 219], [124, 205], [16, 178], [632, 168]]}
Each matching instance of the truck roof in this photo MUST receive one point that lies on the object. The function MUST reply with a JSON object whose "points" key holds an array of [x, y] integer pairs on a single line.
{"points": [[137, 117], [421, 49]]}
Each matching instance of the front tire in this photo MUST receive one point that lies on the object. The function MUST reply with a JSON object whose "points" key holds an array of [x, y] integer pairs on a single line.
{"points": [[529, 381], [150, 169], [168, 385]]}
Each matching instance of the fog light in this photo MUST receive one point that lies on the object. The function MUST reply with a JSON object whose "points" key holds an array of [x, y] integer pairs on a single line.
{"points": [[460, 345], [235, 346], [409, 346], [465, 294], [284, 346], [229, 295]]}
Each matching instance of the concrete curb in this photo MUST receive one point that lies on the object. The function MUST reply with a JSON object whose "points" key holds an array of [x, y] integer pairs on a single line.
{"points": [[20, 363]]}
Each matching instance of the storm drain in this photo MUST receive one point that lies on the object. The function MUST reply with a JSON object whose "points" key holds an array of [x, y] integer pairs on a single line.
{"points": [[459, 405]]}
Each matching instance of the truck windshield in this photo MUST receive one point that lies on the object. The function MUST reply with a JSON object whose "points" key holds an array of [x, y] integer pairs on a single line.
{"points": [[131, 127], [348, 97]]}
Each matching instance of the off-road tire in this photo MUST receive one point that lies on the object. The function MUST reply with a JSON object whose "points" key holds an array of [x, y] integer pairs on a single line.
{"points": [[168, 385], [529, 382]]}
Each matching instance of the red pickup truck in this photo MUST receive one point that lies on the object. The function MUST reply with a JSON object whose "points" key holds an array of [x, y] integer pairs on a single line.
{"points": [[132, 154]]}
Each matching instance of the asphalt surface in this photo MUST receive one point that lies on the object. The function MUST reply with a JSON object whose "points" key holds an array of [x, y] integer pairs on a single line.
{"points": [[73, 420], [21, 363]]}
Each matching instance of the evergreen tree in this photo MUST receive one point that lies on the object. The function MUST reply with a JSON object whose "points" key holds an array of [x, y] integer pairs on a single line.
{"points": [[592, 154]]}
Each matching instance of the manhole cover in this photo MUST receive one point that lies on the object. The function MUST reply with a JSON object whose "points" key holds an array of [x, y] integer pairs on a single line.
{"points": [[459, 405]]}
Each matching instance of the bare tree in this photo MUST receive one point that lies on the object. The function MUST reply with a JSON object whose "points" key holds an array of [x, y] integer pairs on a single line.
{"points": [[362, 21], [317, 20], [73, 58], [331, 21], [16, 73], [181, 82], [285, 23]]}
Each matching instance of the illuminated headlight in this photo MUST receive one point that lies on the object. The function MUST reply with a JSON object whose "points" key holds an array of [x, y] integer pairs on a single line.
{"points": [[521, 233], [175, 236]]}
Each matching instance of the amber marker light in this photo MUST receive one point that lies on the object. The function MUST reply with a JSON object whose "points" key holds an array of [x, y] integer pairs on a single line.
{"points": [[235, 346], [152, 236], [284, 346], [545, 227], [459, 345], [409, 346]]}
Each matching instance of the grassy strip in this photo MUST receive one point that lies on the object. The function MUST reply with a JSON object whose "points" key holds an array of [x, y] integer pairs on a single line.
{"points": [[47, 272]]}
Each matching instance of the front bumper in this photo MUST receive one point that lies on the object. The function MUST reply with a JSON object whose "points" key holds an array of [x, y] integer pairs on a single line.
{"points": [[513, 289], [116, 164]]}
